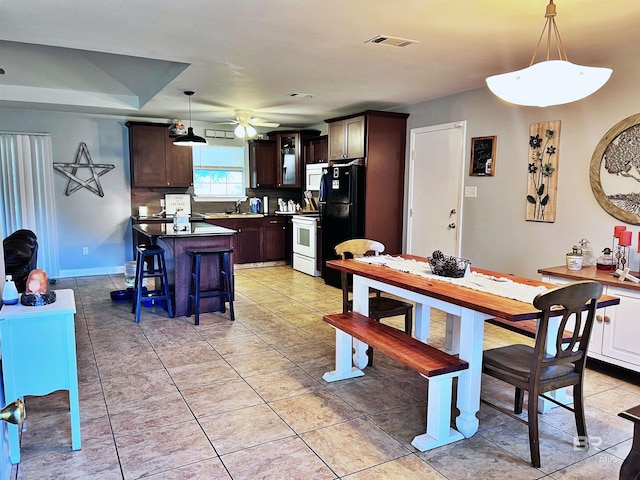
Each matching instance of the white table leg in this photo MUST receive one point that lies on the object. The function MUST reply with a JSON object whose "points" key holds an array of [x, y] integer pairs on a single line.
{"points": [[439, 431], [344, 368], [423, 321], [452, 335], [360, 305], [470, 338]]}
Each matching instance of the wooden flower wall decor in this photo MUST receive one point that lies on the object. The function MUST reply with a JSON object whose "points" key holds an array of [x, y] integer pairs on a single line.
{"points": [[542, 179], [614, 171]]}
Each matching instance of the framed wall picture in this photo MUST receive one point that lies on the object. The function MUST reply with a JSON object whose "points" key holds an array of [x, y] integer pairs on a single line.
{"points": [[483, 156], [614, 171]]}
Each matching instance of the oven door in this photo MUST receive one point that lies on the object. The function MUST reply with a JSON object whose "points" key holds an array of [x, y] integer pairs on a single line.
{"points": [[304, 236]]}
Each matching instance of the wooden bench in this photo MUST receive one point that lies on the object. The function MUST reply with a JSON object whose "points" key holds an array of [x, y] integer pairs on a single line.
{"points": [[528, 328], [437, 366]]}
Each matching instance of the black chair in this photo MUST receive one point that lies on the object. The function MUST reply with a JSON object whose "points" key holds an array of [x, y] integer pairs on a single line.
{"points": [[537, 371], [20, 256], [224, 291], [379, 306]]}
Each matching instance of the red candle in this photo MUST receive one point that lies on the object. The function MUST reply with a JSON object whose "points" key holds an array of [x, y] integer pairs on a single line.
{"points": [[618, 230], [625, 238]]}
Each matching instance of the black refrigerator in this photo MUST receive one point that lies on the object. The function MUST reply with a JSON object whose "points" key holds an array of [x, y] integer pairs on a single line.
{"points": [[341, 204]]}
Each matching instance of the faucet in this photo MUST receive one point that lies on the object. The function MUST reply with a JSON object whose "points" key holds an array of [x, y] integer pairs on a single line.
{"points": [[238, 203]]}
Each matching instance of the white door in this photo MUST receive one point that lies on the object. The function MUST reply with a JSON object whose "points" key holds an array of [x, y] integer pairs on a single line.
{"points": [[436, 180]]}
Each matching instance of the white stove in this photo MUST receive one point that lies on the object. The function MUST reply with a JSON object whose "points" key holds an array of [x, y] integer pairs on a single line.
{"points": [[305, 244]]}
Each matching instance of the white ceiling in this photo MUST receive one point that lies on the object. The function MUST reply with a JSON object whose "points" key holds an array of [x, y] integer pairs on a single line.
{"points": [[135, 58]]}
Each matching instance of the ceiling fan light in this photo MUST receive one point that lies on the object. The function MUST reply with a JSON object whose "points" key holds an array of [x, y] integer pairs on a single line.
{"points": [[547, 83], [251, 132], [239, 131], [190, 139]]}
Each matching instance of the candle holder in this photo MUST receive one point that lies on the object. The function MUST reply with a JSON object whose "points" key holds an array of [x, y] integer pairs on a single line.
{"points": [[624, 242]]}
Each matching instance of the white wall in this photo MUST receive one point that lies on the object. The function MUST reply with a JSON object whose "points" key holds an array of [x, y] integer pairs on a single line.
{"points": [[495, 234]]}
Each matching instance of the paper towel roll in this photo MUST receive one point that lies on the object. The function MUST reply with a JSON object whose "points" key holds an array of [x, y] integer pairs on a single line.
{"points": [[143, 211], [265, 205]]}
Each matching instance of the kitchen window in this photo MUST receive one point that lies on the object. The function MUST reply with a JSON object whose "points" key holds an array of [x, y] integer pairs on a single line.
{"points": [[219, 172]]}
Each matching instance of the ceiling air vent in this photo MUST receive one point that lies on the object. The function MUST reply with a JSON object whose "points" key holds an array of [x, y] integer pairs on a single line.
{"points": [[391, 41]]}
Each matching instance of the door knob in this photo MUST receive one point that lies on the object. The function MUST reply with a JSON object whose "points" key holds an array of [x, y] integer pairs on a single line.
{"points": [[599, 318], [452, 226], [452, 212]]}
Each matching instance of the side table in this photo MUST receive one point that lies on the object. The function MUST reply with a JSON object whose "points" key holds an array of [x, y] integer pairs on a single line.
{"points": [[39, 357]]}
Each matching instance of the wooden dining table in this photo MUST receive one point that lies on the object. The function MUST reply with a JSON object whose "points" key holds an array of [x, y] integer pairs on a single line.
{"points": [[467, 309]]}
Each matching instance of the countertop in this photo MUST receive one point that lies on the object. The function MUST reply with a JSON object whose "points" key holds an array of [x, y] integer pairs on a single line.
{"points": [[197, 217], [196, 229], [591, 273]]}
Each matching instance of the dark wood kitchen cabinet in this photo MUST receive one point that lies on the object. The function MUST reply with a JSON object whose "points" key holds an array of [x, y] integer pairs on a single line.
{"points": [[316, 150], [249, 240], [263, 163], [155, 160], [274, 239], [381, 140], [347, 138]]}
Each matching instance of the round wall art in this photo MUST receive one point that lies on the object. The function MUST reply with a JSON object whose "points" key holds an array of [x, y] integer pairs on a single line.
{"points": [[614, 171]]}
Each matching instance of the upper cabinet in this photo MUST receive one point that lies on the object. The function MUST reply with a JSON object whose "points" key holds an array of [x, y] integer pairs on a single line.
{"points": [[289, 164], [279, 161], [262, 163], [347, 138], [155, 160], [316, 150]]}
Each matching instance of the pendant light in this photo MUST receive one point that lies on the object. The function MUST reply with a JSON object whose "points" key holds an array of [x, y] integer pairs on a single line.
{"points": [[189, 140], [549, 82]]}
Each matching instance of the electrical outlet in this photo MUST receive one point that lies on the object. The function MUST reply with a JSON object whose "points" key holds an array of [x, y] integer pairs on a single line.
{"points": [[471, 191], [85, 250]]}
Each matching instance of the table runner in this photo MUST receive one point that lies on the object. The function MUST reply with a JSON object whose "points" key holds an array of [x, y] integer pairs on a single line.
{"points": [[501, 286]]}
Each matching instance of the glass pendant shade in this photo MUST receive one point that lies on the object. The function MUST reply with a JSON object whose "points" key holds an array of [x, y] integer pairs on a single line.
{"points": [[552, 82], [549, 82], [190, 139], [239, 131]]}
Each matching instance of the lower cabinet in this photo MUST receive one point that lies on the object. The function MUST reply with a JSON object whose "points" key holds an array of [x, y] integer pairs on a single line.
{"points": [[274, 239], [258, 239], [615, 331]]}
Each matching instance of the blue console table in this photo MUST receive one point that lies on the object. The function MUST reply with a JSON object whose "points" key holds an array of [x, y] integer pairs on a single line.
{"points": [[39, 357]]}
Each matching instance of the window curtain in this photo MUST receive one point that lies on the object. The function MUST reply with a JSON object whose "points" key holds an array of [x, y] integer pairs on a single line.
{"points": [[27, 199]]}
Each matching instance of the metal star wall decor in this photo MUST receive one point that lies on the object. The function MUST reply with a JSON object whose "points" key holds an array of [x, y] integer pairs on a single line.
{"points": [[71, 169]]}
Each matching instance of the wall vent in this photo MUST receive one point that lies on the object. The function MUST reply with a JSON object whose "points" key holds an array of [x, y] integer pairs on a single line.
{"points": [[391, 41]]}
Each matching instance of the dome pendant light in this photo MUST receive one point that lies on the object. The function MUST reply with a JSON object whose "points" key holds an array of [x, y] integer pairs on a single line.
{"points": [[189, 140], [549, 82]]}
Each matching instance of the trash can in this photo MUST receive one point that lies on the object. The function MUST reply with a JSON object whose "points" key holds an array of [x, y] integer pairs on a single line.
{"points": [[130, 273]]}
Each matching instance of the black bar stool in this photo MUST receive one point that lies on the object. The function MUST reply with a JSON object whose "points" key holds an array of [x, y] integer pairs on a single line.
{"points": [[144, 254], [225, 289]]}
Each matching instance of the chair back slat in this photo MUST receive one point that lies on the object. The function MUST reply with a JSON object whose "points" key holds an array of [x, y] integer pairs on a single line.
{"points": [[578, 301]]}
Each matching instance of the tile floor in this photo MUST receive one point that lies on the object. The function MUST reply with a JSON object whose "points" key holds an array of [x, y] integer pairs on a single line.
{"points": [[165, 399]]}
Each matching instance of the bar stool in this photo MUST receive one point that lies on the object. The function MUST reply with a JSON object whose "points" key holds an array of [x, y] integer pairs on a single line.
{"points": [[225, 289], [144, 254]]}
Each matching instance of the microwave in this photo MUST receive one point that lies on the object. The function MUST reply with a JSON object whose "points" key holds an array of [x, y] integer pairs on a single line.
{"points": [[314, 174]]}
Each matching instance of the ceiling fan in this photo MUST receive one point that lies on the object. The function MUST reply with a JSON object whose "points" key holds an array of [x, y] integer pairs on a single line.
{"points": [[246, 122]]}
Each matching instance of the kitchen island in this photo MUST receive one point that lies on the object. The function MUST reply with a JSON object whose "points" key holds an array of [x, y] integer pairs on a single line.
{"points": [[176, 244]]}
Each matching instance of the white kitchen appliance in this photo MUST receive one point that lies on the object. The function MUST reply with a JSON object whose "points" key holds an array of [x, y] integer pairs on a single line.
{"points": [[314, 174], [305, 244]]}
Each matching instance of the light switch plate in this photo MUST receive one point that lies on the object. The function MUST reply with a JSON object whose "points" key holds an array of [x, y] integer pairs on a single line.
{"points": [[471, 191]]}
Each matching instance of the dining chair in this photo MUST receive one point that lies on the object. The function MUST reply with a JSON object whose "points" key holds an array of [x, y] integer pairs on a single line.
{"points": [[379, 306], [537, 370]]}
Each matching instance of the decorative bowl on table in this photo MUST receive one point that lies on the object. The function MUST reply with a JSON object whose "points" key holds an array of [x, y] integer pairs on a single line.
{"points": [[448, 266]]}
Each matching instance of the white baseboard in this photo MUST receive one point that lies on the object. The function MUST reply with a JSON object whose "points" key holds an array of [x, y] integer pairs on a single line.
{"points": [[88, 272]]}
